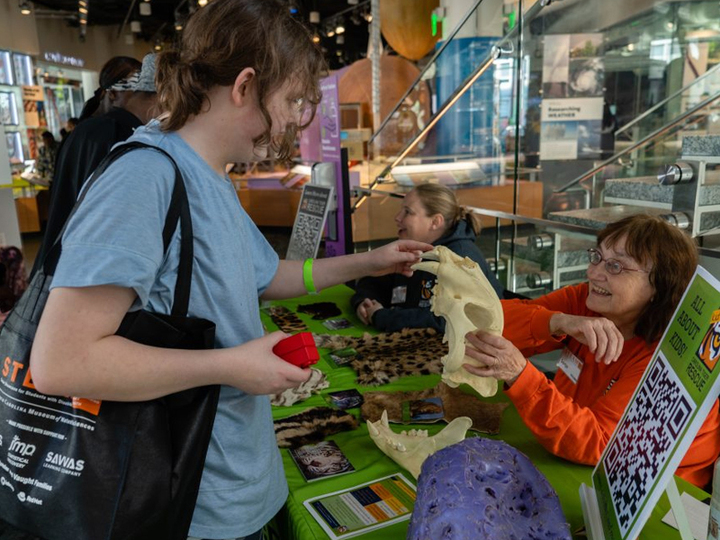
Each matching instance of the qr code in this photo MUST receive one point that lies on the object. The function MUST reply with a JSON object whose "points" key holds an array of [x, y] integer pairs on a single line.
{"points": [[658, 415], [305, 235]]}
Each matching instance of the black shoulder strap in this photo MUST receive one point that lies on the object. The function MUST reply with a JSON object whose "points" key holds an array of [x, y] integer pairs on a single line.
{"points": [[178, 211]]}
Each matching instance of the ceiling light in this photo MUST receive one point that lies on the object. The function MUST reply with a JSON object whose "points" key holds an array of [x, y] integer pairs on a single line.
{"points": [[330, 33], [135, 27], [145, 9], [158, 46], [316, 38], [83, 18], [202, 3], [25, 8], [314, 17], [340, 40], [178, 26], [339, 29]]}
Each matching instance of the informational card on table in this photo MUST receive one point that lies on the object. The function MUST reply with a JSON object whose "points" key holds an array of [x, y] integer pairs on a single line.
{"points": [[357, 510], [678, 389]]}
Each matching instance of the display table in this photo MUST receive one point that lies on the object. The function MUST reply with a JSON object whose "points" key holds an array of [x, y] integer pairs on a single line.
{"points": [[295, 522]]}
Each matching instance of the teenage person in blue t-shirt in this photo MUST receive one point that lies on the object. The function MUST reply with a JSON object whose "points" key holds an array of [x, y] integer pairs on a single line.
{"points": [[245, 76], [429, 213]]}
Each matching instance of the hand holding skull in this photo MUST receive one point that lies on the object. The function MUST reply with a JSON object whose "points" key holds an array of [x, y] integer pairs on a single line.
{"points": [[500, 359]]}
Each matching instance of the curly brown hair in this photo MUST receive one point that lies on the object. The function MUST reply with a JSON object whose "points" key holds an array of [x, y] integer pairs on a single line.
{"points": [[672, 256], [227, 36]]}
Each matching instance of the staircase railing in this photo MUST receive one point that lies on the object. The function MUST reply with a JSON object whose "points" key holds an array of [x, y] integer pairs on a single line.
{"points": [[497, 50], [712, 71], [645, 141]]}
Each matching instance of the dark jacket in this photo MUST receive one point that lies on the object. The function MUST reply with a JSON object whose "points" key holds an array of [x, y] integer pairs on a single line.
{"points": [[412, 310], [78, 157]]}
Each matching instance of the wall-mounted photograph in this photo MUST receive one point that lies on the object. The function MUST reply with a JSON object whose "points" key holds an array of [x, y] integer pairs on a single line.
{"points": [[6, 68], [8, 109], [14, 146], [23, 69]]}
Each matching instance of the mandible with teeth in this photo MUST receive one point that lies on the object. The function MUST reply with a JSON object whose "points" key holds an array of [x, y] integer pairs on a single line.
{"points": [[410, 449]]}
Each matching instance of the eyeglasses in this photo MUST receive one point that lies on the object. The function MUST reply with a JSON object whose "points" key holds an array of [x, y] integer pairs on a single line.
{"points": [[613, 266]]}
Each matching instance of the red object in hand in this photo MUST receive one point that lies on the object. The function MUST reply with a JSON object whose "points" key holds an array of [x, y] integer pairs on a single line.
{"points": [[299, 350]]}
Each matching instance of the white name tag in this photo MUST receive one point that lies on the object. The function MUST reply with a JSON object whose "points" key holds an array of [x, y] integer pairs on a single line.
{"points": [[399, 294], [570, 365]]}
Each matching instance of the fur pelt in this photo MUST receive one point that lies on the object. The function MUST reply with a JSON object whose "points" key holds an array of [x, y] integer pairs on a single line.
{"points": [[311, 426], [317, 381], [485, 416], [286, 320], [383, 358]]}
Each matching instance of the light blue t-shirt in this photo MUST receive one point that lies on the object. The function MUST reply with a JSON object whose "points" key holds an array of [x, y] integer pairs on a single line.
{"points": [[115, 238]]}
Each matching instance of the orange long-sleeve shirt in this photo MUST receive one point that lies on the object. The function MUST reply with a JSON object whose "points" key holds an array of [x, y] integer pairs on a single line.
{"points": [[575, 421]]}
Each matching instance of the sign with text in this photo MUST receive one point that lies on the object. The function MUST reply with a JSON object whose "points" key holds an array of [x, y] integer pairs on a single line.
{"points": [[34, 107], [678, 389], [572, 105], [309, 222]]}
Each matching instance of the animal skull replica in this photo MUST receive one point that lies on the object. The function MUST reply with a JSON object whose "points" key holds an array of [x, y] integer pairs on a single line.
{"points": [[467, 301], [410, 449]]}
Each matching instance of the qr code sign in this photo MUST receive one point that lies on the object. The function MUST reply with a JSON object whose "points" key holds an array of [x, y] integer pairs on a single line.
{"points": [[305, 235], [657, 417]]}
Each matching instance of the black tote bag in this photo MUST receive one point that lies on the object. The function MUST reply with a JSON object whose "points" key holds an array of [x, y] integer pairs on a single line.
{"points": [[74, 469]]}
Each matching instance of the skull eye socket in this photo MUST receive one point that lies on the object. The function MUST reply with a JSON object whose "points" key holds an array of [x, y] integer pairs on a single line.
{"points": [[479, 316]]}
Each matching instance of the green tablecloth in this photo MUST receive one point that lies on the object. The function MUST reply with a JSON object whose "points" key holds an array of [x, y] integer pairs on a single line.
{"points": [[295, 522]]}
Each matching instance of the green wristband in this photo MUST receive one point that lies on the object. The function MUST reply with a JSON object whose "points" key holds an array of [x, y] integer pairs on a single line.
{"points": [[308, 277]]}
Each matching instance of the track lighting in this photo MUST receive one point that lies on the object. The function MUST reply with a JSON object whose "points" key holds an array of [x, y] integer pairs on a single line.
{"points": [[25, 7]]}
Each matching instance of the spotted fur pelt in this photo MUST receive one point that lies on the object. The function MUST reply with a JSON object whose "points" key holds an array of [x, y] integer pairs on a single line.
{"points": [[383, 358], [312, 426], [286, 320]]}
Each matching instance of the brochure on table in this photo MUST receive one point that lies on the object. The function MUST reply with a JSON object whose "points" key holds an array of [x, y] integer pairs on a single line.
{"points": [[678, 389], [360, 509]]}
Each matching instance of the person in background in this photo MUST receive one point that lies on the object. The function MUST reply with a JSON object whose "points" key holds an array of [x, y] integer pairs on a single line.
{"points": [[245, 80], [71, 124], [128, 88], [429, 213], [67, 130], [13, 279], [609, 328], [116, 78], [47, 154]]}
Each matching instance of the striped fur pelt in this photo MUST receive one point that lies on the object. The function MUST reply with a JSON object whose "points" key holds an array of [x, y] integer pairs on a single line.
{"points": [[311, 426]]}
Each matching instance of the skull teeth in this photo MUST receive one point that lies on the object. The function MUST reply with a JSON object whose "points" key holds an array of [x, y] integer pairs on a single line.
{"points": [[430, 256], [429, 266]]}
